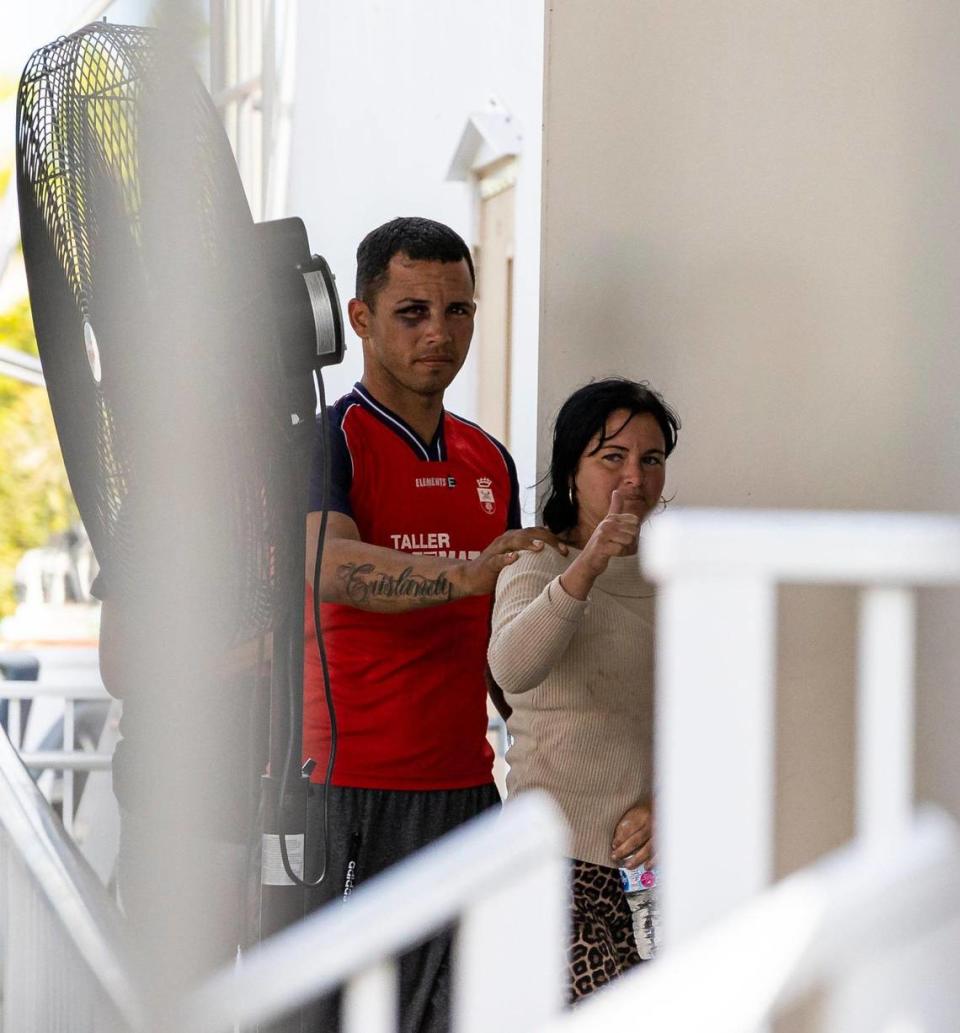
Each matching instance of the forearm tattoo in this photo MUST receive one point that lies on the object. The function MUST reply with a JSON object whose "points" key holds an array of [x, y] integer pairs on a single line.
{"points": [[363, 582]]}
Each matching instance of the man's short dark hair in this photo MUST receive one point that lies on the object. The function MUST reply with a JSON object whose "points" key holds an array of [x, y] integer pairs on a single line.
{"points": [[421, 240]]}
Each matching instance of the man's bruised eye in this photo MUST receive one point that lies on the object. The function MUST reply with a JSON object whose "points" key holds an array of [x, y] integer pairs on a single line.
{"points": [[412, 313]]}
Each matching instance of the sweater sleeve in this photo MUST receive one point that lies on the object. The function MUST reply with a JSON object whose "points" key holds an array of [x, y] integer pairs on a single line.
{"points": [[533, 622]]}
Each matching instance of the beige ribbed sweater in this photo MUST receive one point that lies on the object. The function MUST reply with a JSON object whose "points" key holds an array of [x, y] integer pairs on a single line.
{"points": [[579, 677]]}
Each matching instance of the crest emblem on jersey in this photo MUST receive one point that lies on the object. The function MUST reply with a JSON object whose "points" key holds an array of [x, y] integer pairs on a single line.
{"points": [[485, 494]]}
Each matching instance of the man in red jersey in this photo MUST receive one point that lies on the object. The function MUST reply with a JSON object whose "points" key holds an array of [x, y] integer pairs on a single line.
{"points": [[424, 513]]}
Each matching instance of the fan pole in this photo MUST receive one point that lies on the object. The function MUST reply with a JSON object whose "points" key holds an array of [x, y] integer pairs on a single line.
{"points": [[285, 788], [282, 900]]}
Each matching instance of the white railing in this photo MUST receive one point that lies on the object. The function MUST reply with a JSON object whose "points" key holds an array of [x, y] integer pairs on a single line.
{"points": [[846, 917], [70, 693], [61, 954], [69, 759], [717, 573], [737, 951], [866, 926], [851, 911], [502, 879], [94, 823]]}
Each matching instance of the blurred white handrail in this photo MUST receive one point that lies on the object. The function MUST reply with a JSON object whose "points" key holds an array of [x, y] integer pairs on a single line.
{"points": [[842, 911], [499, 869], [803, 546], [75, 690], [17, 364], [64, 760]]}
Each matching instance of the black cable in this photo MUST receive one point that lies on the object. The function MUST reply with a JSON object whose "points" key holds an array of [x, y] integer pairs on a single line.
{"points": [[321, 649]]}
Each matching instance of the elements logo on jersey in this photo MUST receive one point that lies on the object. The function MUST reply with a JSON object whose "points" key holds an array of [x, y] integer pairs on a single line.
{"points": [[485, 494], [435, 482]]}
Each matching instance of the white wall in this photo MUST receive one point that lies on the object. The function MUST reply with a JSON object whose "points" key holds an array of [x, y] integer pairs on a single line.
{"points": [[384, 90], [754, 205]]}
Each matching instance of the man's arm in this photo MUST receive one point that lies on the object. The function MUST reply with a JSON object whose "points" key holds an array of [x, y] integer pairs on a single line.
{"points": [[382, 580], [496, 696]]}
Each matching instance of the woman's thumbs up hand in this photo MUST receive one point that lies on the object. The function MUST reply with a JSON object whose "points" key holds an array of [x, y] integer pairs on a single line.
{"points": [[615, 535]]}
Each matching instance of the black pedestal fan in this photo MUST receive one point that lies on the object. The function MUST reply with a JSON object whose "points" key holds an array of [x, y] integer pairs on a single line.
{"points": [[179, 342]]}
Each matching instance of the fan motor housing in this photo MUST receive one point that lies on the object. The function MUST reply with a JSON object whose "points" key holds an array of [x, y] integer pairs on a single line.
{"points": [[304, 296]]}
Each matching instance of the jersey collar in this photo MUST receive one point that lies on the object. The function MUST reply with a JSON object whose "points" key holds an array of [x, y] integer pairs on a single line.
{"points": [[432, 451]]}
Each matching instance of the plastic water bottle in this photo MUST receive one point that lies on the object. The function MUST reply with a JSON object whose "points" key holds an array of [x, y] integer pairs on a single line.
{"points": [[640, 886]]}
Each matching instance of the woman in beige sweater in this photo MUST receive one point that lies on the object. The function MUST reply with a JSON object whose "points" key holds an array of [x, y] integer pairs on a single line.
{"points": [[572, 648]]}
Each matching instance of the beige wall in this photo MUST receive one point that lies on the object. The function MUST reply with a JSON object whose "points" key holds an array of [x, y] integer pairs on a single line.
{"points": [[754, 205]]}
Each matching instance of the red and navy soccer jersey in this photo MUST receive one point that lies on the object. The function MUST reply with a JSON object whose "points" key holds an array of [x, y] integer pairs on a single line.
{"points": [[408, 688]]}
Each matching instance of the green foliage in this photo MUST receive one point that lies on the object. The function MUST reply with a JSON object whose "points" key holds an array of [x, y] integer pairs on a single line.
{"points": [[8, 89], [16, 328], [35, 498]]}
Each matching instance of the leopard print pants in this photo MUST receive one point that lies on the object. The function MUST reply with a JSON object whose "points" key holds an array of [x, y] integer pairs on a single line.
{"points": [[602, 945]]}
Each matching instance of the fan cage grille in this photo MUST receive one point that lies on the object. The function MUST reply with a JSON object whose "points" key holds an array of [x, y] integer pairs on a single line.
{"points": [[81, 105]]}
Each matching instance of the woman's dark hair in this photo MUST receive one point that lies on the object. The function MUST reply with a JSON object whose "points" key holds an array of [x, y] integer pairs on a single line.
{"points": [[581, 418], [421, 240]]}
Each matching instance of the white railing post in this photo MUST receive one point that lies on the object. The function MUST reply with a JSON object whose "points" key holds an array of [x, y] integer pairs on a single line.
{"points": [[370, 1000], [885, 716], [69, 742], [15, 723], [507, 972], [714, 741], [861, 998]]}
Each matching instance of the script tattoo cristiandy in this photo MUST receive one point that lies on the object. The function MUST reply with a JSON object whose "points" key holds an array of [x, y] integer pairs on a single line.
{"points": [[362, 582]]}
